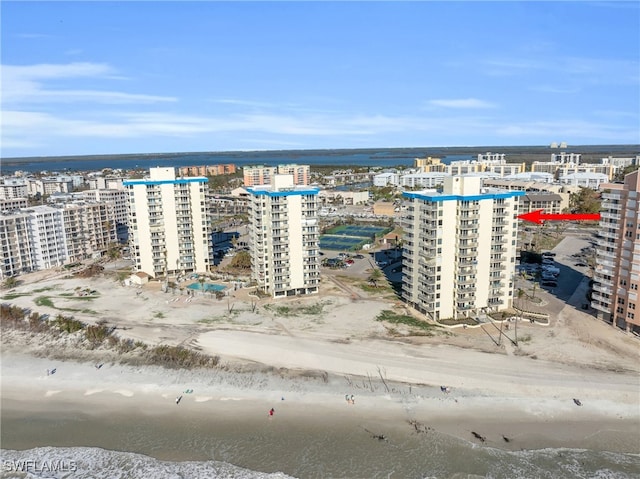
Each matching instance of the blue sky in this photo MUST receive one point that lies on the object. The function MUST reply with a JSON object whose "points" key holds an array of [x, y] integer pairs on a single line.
{"points": [[142, 77]]}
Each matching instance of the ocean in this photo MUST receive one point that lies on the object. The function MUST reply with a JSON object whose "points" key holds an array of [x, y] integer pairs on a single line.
{"points": [[123, 446]]}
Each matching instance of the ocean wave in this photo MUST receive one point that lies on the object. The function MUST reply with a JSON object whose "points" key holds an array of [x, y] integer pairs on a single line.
{"points": [[94, 463]]}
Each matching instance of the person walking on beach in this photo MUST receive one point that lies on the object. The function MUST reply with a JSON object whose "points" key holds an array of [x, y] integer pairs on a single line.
{"points": [[271, 412], [353, 400]]}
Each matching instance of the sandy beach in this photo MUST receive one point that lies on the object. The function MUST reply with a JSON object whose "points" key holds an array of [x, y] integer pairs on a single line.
{"points": [[303, 365]]}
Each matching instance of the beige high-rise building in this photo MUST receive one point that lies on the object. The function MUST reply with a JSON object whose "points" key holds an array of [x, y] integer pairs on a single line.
{"points": [[169, 230], [263, 175], [617, 273], [284, 233], [460, 249]]}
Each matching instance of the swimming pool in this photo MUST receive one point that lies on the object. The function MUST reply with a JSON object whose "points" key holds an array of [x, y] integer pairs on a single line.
{"points": [[207, 287]]}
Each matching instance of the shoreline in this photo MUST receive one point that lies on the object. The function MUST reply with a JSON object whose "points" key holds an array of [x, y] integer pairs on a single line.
{"points": [[79, 390]]}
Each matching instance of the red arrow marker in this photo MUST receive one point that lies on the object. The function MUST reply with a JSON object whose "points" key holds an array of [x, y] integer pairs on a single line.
{"points": [[539, 217]]}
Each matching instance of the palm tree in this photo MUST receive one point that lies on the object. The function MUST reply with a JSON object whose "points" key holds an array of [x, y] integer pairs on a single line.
{"points": [[10, 282], [374, 277]]}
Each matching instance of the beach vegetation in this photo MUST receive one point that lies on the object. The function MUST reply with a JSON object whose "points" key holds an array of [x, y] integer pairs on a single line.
{"points": [[180, 357], [44, 301], [10, 282], [122, 275], [242, 260], [10, 296], [67, 324], [392, 317], [97, 333], [455, 321], [11, 315], [288, 311]]}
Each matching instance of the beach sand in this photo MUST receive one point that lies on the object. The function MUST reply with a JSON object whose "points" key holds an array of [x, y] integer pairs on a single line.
{"points": [[303, 366]]}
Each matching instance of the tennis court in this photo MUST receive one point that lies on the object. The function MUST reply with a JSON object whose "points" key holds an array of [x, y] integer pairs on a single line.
{"points": [[350, 237]]}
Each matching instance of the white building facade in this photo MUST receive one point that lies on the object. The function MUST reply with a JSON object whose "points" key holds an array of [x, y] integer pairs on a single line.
{"points": [[284, 235], [169, 226], [459, 249]]}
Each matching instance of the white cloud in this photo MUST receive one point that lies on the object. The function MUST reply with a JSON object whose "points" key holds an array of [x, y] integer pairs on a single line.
{"points": [[462, 103], [586, 69], [22, 84]]}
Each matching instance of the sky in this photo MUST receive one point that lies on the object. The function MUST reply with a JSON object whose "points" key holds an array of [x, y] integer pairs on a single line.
{"points": [[83, 78]]}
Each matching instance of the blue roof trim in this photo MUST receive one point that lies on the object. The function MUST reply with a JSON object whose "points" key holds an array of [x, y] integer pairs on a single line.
{"points": [[258, 192], [179, 181], [441, 197]]}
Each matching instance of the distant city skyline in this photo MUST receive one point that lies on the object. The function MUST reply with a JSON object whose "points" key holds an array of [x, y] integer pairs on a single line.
{"points": [[89, 78]]}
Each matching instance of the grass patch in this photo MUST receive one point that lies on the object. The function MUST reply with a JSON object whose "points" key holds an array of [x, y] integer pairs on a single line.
{"points": [[453, 322], [159, 315], [44, 301], [395, 318], [82, 298], [10, 296], [288, 311], [42, 290]]}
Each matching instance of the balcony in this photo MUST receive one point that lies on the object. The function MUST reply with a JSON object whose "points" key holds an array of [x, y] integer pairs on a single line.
{"points": [[606, 254], [600, 307], [605, 262], [611, 196], [611, 206], [612, 216], [603, 281], [465, 307], [601, 299], [467, 263], [602, 288], [427, 281], [467, 235], [609, 234]]}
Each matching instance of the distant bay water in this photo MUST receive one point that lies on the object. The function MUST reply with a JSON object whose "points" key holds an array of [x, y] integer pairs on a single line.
{"points": [[146, 161], [340, 157]]}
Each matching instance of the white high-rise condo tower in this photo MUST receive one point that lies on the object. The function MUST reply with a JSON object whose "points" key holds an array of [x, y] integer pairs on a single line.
{"points": [[460, 249], [283, 222], [169, 227]]}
